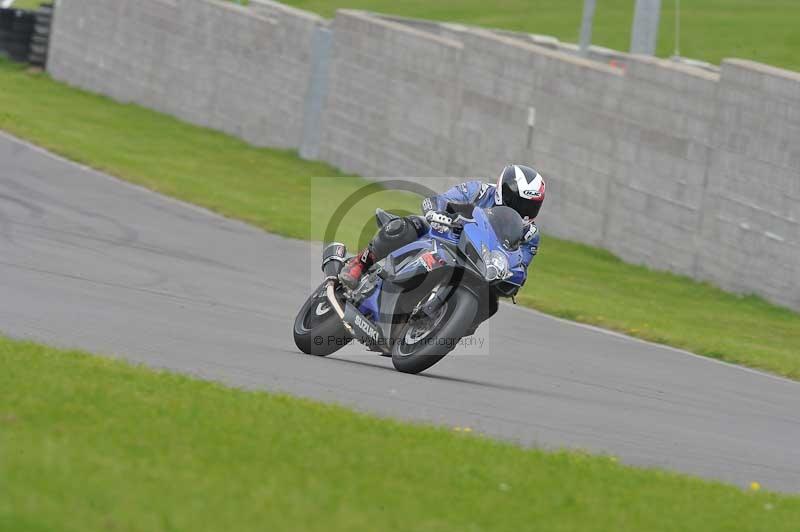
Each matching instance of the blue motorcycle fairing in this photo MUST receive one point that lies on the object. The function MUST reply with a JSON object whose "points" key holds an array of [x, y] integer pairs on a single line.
{"points": [[369, 306], [446, 236], [406, 262], [429, 242], [480, 233]]}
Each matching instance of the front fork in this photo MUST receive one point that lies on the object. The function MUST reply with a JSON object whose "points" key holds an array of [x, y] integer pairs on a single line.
{"points": [[333, 260], [330, 291], [435, 301]]}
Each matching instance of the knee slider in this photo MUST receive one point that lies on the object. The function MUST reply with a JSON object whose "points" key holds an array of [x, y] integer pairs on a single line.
{"points": [[394, 229]]}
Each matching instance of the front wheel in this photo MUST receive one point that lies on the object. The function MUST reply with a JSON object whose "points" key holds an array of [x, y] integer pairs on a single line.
{"points": [[425, 340], [318, 330]]}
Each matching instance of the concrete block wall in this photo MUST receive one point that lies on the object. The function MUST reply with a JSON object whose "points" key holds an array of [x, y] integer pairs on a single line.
{"points": [[392, 98], [674, 166], [631, 154], [662, 149], [216, 64], [750, 236], [504, 81]]}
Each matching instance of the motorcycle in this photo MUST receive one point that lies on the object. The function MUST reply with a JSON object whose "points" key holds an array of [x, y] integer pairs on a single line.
{"points": [[421, 300]]}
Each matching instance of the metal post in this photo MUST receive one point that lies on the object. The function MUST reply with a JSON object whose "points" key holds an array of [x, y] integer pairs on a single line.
{"points": [[586, 25], [645, 27], [316, 92], [677, 28]]}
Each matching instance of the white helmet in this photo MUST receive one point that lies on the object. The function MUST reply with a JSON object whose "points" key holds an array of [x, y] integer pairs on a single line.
{"points": [[521, 188]]}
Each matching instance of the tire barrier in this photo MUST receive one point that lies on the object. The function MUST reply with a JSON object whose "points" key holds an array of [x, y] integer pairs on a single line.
{"points": [[41, 36], [25, 35], [16, 31]]}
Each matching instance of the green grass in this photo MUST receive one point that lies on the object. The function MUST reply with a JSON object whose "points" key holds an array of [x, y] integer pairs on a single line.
{"points": [[763, 30], [89, 443], [275, 190], [29, 4]]}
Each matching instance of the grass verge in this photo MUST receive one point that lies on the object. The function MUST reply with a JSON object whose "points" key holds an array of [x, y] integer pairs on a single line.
{"points": [[90, 443], [273, 189], [29, 4], [762, 30]]}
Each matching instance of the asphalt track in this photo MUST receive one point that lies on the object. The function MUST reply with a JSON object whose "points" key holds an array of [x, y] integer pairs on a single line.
{"points": [[88, 261]]}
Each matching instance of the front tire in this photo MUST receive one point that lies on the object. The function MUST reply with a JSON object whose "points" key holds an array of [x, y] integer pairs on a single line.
{"points": [[318, 330], [418, 348]]}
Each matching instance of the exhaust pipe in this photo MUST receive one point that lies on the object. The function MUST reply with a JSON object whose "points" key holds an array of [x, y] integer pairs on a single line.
{"points": [[330, 291], [333, 259]]}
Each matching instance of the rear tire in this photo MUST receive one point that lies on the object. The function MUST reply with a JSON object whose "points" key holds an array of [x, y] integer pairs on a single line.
{"points": [[318, 330], [423, 353]]}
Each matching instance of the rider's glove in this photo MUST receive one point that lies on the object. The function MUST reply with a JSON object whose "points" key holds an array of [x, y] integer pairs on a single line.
{"points": [[530, 232], [440, 221]]}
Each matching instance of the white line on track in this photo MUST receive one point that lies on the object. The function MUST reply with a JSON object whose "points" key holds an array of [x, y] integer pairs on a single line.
{"points": [[654, 344]]}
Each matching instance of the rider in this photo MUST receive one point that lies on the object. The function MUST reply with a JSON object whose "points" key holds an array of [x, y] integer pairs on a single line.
{"points": [[519, 187]]}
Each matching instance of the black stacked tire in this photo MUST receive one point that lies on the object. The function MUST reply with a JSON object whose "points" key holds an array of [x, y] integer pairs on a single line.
{"points": [[24, 22], [6, 19], [41, 36]]}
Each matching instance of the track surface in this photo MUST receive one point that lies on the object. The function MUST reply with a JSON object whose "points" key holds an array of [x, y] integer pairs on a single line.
{"points": [[90, 262]]}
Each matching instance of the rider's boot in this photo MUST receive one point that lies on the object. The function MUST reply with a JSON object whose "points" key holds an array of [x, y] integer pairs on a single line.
{"points": [[355, 268]]}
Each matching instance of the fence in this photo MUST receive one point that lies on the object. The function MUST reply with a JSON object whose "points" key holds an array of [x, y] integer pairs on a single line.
{"points": [[670, 165]]}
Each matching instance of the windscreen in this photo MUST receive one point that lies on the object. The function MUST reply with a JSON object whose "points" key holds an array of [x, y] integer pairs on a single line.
{"points": [[507, 225]]}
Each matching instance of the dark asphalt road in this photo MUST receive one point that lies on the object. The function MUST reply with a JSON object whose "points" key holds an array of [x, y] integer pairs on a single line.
{"points": [[87, 261]]}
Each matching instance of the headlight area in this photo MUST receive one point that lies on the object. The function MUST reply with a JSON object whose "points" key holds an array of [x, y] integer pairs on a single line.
{"points": [[495, 263]]}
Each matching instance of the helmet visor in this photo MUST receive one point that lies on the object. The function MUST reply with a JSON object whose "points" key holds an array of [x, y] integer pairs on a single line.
{"points": [[527, 208]]}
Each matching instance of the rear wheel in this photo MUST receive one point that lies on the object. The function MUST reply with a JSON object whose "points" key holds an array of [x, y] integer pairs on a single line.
{"points": [[318, 330], [424, 340]]}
